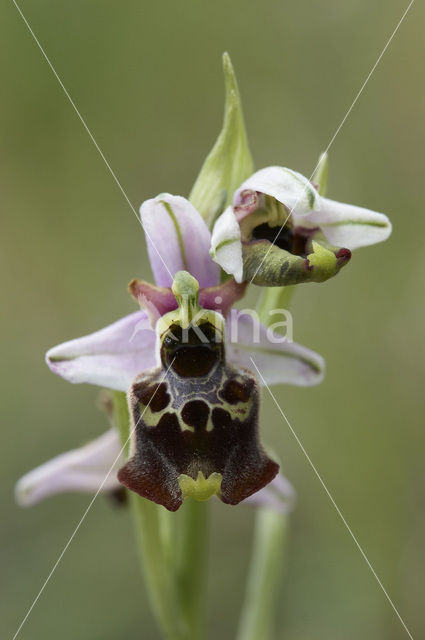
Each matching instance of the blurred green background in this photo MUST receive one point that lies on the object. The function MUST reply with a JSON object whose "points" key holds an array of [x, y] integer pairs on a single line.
{"points": [[147, 79]]}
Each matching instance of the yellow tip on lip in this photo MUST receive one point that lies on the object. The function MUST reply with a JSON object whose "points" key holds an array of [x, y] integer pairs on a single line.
{"points": [[202, 488]]}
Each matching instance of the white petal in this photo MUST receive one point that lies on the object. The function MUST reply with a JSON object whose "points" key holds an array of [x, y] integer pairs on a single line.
{"points": [[279, 361], [178, 239], [111, 357], [289, 187], [346, 225], [226, 245], [83, 470]]}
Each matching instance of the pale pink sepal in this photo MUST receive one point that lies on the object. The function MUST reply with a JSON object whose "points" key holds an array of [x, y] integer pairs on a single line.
{"points": [[109, 358], [90, 468], [279, 361], [177, 239]]}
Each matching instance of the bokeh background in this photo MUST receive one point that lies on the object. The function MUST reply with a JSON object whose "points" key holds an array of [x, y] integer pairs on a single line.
{"points": [[147, 79]]}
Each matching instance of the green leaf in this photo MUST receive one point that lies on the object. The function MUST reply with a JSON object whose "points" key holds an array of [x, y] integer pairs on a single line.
{"points": [[229, 162], [320, 176]]}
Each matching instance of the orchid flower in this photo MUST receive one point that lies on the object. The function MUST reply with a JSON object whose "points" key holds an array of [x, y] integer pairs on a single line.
{"points": [[194, 417], [177, 239], [280, 230]]}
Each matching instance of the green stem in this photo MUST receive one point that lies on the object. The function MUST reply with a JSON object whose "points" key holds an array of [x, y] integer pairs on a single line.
{"points": [[172, 549], [273, 298], [158, 574], [192, 565], [264, 576]]}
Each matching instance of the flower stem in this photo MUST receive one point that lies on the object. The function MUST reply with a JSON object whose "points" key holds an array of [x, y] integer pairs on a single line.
{"points": [[192, 565], [172, 549], [159, 576], [273, 298], [264, 576]]}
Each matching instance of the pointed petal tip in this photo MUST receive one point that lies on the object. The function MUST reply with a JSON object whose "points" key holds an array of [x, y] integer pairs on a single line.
{"points": [[57, 363], [231, 84], [23, 494], [227, 62], [320, 176]]}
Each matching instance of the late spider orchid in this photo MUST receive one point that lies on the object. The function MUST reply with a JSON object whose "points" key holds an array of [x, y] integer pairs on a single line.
{"points": [[194, 417], [115, 355], [279, 230]]}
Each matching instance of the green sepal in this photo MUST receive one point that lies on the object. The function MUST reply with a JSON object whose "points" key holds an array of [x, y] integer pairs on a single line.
{"points": [[229, 162], [320, 176]]}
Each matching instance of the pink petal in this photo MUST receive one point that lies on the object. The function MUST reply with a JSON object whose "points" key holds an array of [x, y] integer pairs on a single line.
{"points": [[156, 300], [160, 300]]}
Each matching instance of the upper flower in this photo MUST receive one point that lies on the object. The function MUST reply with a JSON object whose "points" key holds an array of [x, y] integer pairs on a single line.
{"points": [[281, 231]]}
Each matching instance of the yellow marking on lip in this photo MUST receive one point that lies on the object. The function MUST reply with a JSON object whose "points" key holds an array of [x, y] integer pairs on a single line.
{"points": [[151, 418], [241, 410], [202, 488], [185, 427], [210, 425]]}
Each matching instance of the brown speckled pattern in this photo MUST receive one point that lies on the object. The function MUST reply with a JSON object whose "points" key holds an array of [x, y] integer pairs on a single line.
{"points": [[205, 423]]}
